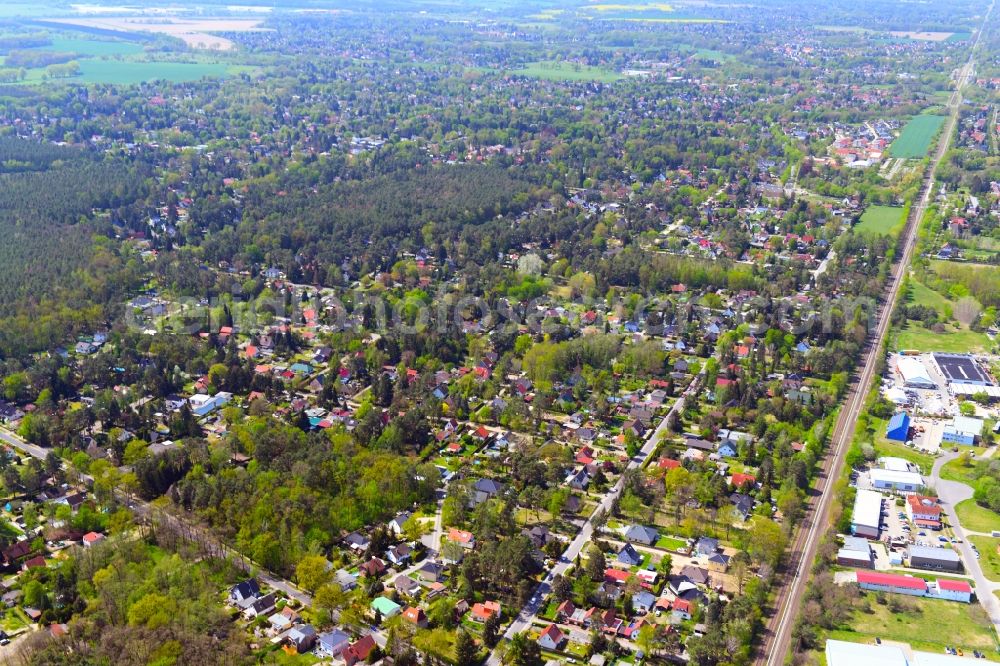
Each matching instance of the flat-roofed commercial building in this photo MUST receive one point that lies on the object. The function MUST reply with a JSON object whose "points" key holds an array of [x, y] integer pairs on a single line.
{"points": [[867, 516]]}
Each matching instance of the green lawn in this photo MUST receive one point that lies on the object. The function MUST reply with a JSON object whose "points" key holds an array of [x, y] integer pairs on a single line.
{"points": [[671, 543], [915, 140], [561, 71], [926, 624], [919, 338], [989, 559], [956, 470], [885, 220], [977, 518], [921, 294]]}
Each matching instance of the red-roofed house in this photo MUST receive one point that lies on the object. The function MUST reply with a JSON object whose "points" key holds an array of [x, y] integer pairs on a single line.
{"points": [[483, 611], [416, 615], [551, 638], [681, 609], [90, 538], [461, 537], [668, 463], [739, 479], [359, 650]]}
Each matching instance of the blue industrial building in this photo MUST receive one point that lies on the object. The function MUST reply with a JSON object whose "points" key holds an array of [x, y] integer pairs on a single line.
{"points": [[899, 427]]}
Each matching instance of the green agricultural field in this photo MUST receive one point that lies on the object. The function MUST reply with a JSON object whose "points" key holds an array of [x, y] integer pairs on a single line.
{"points": [[919, 623], [560, 71], [977, 518], [884, 220], [124, 73], [92, 47], [915, 140]]}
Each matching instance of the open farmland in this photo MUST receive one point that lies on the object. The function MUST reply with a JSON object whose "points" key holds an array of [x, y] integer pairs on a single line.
{"points": [[922, 36], [196, 33], [916, 138], [92, 47]]}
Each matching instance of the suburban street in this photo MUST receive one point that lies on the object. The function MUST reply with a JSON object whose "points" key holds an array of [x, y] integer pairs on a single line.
{"points": [[776, 639], [529, 612]]}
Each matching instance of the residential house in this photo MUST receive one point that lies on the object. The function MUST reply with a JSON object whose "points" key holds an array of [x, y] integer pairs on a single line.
{"points": [[345, 579], [629, 556], [743, 503], [332, 643], [303, 638], [406, 586], [385, 607], [398, 554], [91, 538], [681, 609], [431, 572], [463, 538], [641, 534], [396, 524], [578, 480], [373, 568], [416, 616], [260, 606], [483, 611], [359, 650], [485, 489], [551, 638], [283, 619], [244, 592], [643, 601]]}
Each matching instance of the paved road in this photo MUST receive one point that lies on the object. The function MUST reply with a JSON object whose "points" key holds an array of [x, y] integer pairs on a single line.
{"points": [[529, 612], [776, 640], [143, 509], [951, 493]]}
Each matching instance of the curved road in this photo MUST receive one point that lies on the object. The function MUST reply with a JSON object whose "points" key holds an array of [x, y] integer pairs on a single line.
{"points": [[951, 493]]}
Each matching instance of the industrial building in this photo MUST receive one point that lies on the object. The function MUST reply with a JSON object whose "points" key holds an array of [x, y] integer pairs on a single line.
{"points": [[888, 479], [952, 590], [895, 583], [843, 653], [867, 514], [965, 391], [962, 430], [856, 552], [961, 368], [914, 374], [935, 559], [899, 427]]}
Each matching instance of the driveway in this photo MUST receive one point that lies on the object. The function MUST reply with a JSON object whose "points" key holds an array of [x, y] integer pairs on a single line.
{"points": [[951, 493]]}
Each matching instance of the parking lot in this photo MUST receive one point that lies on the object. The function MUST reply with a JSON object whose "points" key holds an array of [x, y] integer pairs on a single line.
{"points": [[927, 434]]}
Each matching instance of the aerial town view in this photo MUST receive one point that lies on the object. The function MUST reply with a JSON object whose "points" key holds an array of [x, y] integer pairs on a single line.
{"points": [[499, 332]]}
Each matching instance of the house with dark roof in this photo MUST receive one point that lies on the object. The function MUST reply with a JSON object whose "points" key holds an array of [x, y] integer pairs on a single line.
{"points": [[641, 534], [244, 592], [629, 556]]}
